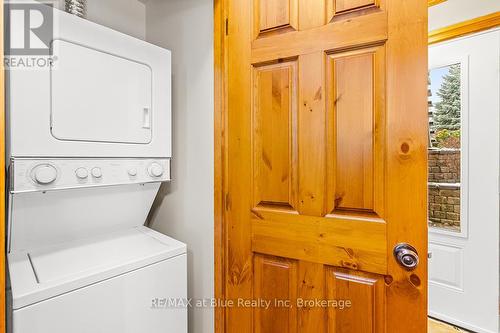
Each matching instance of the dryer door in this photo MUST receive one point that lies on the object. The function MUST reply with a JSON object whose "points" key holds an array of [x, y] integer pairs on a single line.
{"points": [[99, 97]]}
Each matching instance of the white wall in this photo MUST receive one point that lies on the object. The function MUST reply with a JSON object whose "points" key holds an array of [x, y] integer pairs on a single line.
{"points": [[455, 11], [127, 16], [184, 208]]}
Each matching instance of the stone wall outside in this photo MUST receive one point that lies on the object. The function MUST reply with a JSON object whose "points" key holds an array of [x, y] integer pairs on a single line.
{"points": [[444, 206], [444, 165], [444, 188]]}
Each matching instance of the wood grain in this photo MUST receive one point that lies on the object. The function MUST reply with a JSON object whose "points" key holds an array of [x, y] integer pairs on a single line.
{"points": [[274, 134], [311, 14], [238, 176], [311, 134], [219, 157], [354, 32], [275, 16], [406, 181], [275, 281], [311, 286], [356, 130], [346, 5], [354, 118], [357, 243], [288, 238], [344, 9], [366, 294]]}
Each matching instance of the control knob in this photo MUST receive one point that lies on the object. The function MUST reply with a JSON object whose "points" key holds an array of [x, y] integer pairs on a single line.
{"points": [[44, 174], [82, 173], [96, 172], [155, 170], [132, 172]]}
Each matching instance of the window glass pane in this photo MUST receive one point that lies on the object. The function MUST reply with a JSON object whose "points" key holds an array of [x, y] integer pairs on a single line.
{"points": [[444, 147]]}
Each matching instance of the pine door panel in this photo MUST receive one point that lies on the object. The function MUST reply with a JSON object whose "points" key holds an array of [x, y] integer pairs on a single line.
{"points": [[365, 291], [339, 240], [341, 6], [325, 164], [356, 129], [276, 15], [275, 279], [274, 135]]}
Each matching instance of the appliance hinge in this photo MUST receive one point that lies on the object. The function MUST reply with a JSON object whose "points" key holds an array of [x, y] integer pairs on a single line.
{"points": [[227, 26]]}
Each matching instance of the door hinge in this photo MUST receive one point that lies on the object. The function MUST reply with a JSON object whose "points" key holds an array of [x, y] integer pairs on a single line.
{"points": [[227, 26], [227, 202]]}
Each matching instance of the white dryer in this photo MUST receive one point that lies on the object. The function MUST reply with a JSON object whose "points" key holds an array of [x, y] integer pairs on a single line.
{"points": [[89, 143], [108, 95]]}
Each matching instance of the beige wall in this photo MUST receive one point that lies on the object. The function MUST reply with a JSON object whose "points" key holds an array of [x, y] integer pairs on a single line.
{"points": [[127, 16], [184, 208], [455, 11]]}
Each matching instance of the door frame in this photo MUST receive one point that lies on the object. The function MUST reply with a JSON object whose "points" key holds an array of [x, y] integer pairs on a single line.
{"points": [[220, 116], [220, 75]]}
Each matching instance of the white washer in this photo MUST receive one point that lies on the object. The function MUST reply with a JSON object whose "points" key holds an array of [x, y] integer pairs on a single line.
{"points": [[80, 259], [128, 281]]}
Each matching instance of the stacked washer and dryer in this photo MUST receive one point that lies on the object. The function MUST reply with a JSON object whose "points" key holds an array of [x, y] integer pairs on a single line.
{"points": [[89, 143]]}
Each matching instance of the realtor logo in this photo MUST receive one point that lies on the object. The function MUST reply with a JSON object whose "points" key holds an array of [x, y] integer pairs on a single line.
{"points": [[29, 28]]}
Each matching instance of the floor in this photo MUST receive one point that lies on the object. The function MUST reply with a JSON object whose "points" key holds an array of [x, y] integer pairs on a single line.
{"points": [[440, 327]]}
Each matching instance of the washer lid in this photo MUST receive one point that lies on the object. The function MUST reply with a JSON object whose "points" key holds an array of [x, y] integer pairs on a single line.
{"points": [[44, 273]]}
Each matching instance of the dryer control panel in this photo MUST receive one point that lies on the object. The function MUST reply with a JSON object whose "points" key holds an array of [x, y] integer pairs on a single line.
{"points": [[28, 175]]}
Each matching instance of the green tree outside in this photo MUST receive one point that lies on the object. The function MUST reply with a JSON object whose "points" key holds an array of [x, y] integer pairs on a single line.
{"points": [[447, 114]]}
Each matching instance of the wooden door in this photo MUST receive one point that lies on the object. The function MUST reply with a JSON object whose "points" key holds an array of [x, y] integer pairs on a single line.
{"points": [[325, 145]]}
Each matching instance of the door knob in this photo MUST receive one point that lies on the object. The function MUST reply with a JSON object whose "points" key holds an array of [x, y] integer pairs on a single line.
{"points": [[406, 256]]}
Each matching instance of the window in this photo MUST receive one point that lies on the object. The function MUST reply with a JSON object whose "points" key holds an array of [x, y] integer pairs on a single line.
{"points": [[445, 129]]}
